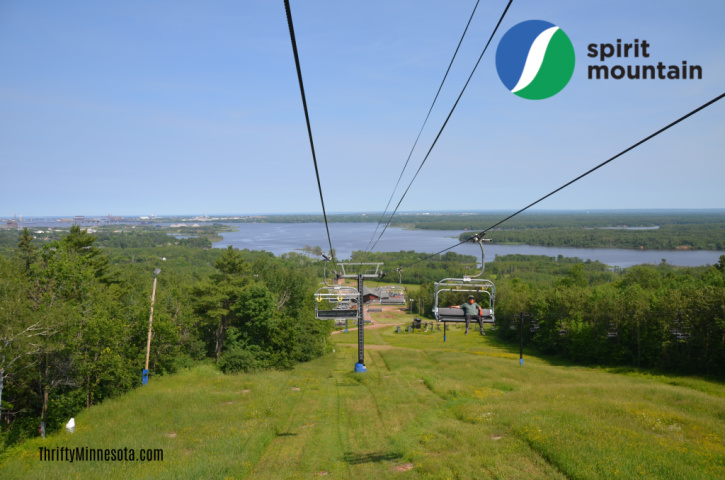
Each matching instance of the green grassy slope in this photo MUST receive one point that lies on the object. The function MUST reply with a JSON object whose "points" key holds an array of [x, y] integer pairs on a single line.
{"points": [[425, 409]]}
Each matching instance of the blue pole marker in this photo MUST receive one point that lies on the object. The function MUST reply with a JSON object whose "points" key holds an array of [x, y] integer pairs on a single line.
{"points": [[360, 368], [145, 378], [521, 340]]}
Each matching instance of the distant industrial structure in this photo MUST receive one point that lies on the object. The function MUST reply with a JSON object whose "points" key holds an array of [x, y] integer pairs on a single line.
{"points": [[17, 221]]}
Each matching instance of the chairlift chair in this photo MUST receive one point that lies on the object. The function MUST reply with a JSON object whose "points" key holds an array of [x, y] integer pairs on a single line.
{"points": [[395, 294], [374, 305], [336, 302], [368, 270], [480, 288]]}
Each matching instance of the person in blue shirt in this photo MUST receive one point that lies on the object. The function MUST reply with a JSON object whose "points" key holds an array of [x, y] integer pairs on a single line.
{"points": [[471, 310]]}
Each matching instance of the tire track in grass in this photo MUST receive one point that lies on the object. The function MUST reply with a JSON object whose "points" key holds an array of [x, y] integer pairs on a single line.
{"points": [[368, 445], [292, 413], [320, 454], [262, 432], [385, 362], [270, 454], [400, 433], [542, 455], [375, 399], [311, 441], [342, 443], [428, 383]]}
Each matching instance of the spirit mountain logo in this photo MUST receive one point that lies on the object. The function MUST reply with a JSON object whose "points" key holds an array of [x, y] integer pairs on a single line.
{"points": [[535, 59]]}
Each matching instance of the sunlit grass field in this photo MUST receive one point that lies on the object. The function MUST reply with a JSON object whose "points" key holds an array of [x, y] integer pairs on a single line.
{"points": [[425, 409]]}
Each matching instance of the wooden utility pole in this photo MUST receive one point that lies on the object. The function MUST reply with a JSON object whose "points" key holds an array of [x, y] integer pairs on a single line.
{"points": [[145, 378]]}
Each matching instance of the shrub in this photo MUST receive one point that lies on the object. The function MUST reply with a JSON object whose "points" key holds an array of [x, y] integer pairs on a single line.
{"points": [[242, 360]]}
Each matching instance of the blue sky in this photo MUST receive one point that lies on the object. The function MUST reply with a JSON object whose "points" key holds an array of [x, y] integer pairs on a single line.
{"points": [[179, 107]]}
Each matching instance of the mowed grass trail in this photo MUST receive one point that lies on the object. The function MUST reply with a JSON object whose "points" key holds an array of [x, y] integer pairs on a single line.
{"points": [[425, 409]]}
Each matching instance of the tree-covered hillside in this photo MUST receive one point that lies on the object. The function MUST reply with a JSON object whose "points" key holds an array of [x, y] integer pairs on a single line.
{"points": [[74, 319]]}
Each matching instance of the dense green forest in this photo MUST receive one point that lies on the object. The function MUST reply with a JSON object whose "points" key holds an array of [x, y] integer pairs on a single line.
{"points": [[666, 237], [74, 318], [418, 268], [668, 317], [74, 313], [122, 236], [672, 318]]}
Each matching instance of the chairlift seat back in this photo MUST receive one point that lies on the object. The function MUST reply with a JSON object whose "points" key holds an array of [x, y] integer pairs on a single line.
{"points": [[336, 314], [456, 315]]}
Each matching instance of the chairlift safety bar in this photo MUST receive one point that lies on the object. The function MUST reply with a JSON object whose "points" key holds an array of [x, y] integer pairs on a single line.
{"points": [[465, 285], [342, 296], [345, 274]]}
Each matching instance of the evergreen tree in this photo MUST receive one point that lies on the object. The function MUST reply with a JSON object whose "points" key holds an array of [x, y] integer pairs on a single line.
{"points": [[216, 299], [26, 250], [17, 328], [80, 243]]}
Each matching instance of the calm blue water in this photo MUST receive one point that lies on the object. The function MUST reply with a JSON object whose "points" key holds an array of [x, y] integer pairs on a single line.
{"points": [[281, 238]]}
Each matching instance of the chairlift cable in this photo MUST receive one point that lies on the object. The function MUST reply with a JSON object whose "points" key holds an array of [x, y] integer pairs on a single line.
{"points": [[380, 221], [307, 119], [701, 107], [444, 123], [632, 147]]}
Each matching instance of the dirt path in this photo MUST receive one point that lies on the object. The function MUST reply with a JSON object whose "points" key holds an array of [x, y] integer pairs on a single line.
{"points": [[368, 347], [373, 326], [395, 308]]}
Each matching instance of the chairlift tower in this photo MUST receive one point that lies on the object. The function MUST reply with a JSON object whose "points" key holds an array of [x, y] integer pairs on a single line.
{"points": [[364, 270], [344, 296]]}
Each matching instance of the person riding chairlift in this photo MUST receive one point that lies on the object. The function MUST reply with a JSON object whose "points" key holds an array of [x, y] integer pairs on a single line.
{"points": [[471, 310]]}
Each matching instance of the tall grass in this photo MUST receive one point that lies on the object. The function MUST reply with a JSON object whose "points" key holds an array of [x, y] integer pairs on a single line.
{"points": [[425, 409]]}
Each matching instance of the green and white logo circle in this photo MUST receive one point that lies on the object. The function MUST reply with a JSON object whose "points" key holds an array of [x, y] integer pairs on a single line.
{"points": [[535, 59]]}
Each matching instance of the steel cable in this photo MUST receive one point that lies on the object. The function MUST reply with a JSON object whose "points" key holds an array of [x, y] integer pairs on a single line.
{"points": [[424, 123], [631, 147], [444, 123], [307, 119]]}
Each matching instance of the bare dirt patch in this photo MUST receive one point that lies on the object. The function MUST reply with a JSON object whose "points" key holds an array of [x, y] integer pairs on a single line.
{"points": [[403, 468], [373, 326], [368, 347], [393, 308]]}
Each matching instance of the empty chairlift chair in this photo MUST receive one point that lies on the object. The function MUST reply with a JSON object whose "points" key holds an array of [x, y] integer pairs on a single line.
{"points": [[336, 303], [395, 295]]}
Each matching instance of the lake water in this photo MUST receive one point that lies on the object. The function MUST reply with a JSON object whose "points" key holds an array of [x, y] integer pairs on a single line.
{"points": [[281, 238]]}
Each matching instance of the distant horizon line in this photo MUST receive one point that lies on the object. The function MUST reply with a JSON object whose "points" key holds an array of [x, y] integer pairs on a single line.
{"points": [[364, 213]]}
